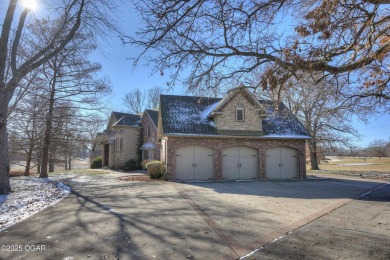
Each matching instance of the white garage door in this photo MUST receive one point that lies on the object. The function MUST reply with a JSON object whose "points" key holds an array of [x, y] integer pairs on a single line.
{"points": [[281, 163], [240, 163], [194, 163]]}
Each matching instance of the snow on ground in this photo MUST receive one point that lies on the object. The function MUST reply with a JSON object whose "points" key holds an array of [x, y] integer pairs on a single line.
{"points": [[356, 164], [30, 195]]}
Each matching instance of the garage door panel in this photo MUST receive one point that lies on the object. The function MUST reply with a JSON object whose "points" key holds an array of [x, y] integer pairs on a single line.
{"points": [[281, 163], [184, 167], [230, 166], [204, 163], [248, 167], [289, 163], [240, 162], [194, 163], [273, 163]]}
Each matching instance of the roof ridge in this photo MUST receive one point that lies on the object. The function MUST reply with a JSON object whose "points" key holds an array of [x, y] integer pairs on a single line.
{"points": [[189, 96], [124, 113]]}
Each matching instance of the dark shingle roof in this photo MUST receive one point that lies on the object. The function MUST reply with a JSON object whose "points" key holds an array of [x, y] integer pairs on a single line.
{"points": [[189, 116], [281, 122], [153, 115], [124, 119]]}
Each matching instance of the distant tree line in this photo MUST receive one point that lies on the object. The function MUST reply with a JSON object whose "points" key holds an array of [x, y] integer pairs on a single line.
{"points": [[377, 148]]}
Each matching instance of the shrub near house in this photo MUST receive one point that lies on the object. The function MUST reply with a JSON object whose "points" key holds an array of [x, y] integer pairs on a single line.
{"points": [[96, 163], [156, 169]]}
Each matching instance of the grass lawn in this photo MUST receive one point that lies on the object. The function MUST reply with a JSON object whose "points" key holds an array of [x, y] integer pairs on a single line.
{"points": [[358, 166], [79, 166]]}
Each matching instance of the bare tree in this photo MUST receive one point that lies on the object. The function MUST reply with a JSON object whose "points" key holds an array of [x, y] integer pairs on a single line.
{"points": [[220, 42], [75, 14], [27, 123], [154, 96], [377, 148], [323, 112], [69, 78], [135, 100]]}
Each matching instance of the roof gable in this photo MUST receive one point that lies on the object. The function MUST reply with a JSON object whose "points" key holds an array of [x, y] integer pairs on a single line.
{"points": [[123, 119], [152, 114], [231, 95]]}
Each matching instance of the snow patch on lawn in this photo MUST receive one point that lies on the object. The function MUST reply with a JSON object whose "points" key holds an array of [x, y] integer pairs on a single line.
{"points": [[356, 164], [30, 195]]}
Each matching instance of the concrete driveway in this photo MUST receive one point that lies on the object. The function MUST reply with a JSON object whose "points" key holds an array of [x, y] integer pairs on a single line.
{"points": [[105, 218]]}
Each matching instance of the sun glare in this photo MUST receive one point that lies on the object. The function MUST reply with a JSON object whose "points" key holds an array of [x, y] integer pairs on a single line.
{"points": [[29, 4]]}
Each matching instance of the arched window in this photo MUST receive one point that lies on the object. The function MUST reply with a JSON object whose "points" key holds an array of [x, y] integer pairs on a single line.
{"points": [[240, 113]]}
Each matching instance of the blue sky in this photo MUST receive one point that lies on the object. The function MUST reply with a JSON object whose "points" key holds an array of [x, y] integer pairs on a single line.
{"points": [[125, 78], [115, 65]]}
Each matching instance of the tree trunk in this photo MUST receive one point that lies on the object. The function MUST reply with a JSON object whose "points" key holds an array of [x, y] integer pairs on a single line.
{"points": [[28, 161], [70, 163], [51, 163], [66, 160], [46, 142], [5, 187], [313, 155], [49, 126], [38, 166]]}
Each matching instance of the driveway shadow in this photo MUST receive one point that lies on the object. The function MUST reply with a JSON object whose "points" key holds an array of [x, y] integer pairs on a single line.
{"points": [[117, 221], [327, 188]]}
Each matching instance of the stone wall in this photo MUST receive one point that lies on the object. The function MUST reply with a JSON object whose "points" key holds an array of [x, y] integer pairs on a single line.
{"points": [[227, 121], [218, 144], [130, 146], [147, 122]]}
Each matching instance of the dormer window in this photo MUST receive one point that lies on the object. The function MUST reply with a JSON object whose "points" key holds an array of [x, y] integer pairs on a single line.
{"points": [[240, 113], [148, 131]]}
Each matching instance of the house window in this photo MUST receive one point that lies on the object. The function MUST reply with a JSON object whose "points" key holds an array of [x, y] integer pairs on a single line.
{"points": [[165, 152], [240, 115], [148, 131], [119, 145], [147, 154]]}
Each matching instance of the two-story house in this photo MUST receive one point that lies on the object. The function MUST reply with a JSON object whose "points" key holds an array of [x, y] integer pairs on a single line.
{"points": [[199, 138], [235, 138]]}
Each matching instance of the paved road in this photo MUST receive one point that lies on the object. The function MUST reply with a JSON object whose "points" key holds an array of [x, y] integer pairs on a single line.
{"points": [[105, 218]]}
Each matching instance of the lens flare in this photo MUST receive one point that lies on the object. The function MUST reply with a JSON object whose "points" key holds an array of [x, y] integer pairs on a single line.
{"points": [[29, 4]]}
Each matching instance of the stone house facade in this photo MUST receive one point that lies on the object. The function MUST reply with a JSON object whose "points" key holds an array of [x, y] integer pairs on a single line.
{"points": [[150, 147], [121, 139], [128, 137]]}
